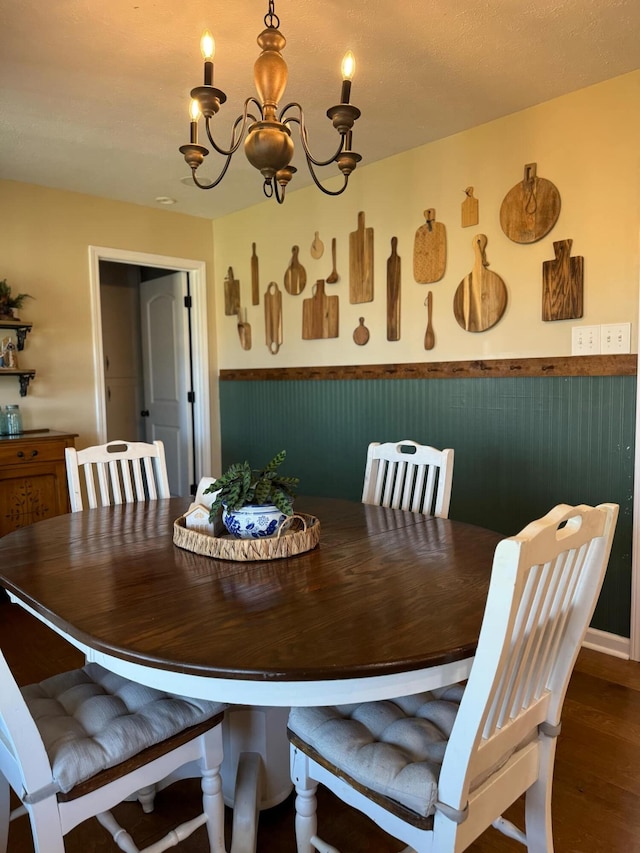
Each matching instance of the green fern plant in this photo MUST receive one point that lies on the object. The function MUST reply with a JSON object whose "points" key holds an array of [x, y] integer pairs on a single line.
{"points": [[9, 302], [242, 485]]}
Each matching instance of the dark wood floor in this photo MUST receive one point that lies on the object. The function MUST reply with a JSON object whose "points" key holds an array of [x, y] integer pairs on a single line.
{"points": [[596, 801]]}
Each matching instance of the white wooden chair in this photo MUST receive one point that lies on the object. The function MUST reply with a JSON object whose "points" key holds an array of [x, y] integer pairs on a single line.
{"points": [[410, 476], [80, 742], [435, 770], [115, 473]]}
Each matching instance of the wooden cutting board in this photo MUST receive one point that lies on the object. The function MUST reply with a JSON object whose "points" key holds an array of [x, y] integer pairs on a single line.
{"points": [[361, 333], [562, 284], [320, 314], [481, 297], [531, 208], [295, 278], [469, 209], [361, 263], [244, 330], [255, 277], [393, 292], [231, 294], [429, 335], [430, 250], [273, 317]]}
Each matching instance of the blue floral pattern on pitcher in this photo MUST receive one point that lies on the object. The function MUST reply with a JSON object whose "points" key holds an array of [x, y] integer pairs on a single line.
{"points": [[253, 522]]}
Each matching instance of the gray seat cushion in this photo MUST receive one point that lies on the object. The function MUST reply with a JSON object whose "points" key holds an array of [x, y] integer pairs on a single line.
{"points": [[91, 719], [394, 747]]}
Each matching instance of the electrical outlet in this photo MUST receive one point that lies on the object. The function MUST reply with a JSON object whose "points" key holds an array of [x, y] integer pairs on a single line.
{"points": [[615, 337], [585, 340]]}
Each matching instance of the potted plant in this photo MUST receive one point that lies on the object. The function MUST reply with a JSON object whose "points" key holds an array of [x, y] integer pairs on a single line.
{"points": [[254, 502], [9, 303]]}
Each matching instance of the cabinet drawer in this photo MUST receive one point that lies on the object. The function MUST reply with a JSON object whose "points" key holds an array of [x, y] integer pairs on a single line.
{"points": [[30, 451]]}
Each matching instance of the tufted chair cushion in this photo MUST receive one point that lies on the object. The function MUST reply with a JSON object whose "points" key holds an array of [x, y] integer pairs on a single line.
{"points": [[91, 719], [394, 747]]}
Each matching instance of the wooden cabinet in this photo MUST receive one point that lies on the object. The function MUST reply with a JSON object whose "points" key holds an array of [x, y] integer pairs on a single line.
{"points": [[33, 480]]}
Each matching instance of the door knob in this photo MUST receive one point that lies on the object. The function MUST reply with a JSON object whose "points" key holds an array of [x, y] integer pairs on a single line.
{"points": [[144, 413]]}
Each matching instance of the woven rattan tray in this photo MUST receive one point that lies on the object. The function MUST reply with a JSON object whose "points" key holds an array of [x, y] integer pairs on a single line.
{"points": [[302, 533]]}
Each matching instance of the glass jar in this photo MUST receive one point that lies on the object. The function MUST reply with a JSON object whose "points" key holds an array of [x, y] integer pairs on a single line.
{"points": [[13, 420]]}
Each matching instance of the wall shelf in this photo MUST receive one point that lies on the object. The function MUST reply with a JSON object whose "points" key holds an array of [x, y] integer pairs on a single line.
{"points": [[21, 329], [25, 376]]}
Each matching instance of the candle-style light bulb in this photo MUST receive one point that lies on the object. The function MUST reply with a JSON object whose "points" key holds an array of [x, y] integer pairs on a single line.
{"points": [[208, 49], [194, 112], [348, 70]]}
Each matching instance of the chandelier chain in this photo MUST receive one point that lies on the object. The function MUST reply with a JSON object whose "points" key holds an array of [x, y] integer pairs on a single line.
{"points": [[271, 20]]}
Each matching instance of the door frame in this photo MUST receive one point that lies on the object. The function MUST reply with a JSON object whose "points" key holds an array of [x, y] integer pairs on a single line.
{"points": [[199, 336]]}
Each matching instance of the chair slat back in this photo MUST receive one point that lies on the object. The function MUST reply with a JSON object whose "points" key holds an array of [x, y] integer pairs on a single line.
{"points": [[409, 476], [115, 473], [23, 758], [544, 587]]}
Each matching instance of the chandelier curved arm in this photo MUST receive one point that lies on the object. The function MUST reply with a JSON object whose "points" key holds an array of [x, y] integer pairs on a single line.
{"points": [[304, 138], [215, 183], [241, 120], [324, 189]]}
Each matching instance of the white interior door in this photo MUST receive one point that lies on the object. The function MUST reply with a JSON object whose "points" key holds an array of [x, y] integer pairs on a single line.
{"points": [[163, 319]]}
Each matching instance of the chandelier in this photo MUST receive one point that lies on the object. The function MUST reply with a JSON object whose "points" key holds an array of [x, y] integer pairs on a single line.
{"points": [[268, 145]]}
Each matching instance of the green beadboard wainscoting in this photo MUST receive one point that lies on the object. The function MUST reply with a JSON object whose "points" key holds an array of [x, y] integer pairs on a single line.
{"points": [[522, 444]]}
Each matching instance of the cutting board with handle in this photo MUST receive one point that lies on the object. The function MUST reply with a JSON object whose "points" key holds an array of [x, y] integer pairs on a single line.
{"points": [[430, 250], [317, 247], [481, 297], [361, 333], [231, 294], [295, 278], [361, 263], [531, 208], [320, 314], [469, 209], [244, 329], [393, 292], [562, 284], [255, 277], [273, 317]]}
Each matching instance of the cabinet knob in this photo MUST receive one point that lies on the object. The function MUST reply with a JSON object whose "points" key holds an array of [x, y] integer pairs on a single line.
{"points": [[34, 453], [20, 454]]}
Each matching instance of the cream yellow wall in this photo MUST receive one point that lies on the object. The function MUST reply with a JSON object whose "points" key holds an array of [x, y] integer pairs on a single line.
{"points": [[587, 143], [45, 236]]}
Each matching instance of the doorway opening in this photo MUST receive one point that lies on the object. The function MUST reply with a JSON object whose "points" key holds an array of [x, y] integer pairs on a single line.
{"points": [[151, 357]]}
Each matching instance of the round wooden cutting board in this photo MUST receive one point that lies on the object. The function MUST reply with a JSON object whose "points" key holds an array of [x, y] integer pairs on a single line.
{"points": [[481, 297], [530, 209]]}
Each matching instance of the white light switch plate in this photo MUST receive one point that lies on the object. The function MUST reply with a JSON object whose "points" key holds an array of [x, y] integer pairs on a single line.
{"points": [[615, 337], [585, 340]]}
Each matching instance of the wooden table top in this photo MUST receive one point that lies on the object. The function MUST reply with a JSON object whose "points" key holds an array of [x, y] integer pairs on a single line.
{"points": [[385, 592]]}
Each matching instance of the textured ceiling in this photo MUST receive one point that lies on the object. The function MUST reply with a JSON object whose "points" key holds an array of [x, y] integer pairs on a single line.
{"points": [[94, 96]]}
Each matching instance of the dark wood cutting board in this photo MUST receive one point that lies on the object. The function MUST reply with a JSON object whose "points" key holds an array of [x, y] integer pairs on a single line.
{"points": [[562, 284], [481, 297], [430, 250], [273, 317], [320, 314], [393, 292], [531, 208], [361, 263], [295, 278], [231, 294], [255, 277]]}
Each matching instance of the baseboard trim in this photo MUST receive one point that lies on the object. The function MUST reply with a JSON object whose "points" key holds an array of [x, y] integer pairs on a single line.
{"points": [[609, 644]]}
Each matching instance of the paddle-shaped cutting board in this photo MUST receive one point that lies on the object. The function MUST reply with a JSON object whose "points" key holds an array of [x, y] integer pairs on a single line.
{"points": [[531, 208], [255, 277], [361, 263], [320, 314], [295, 278], [469, 209], [393, 293], [231, 293], [481, 297], [273, 317], [562, 284], [430, 250]]}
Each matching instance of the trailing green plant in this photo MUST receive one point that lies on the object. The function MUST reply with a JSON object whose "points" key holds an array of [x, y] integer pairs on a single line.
{"points": [[9, 302], [242, 485]]}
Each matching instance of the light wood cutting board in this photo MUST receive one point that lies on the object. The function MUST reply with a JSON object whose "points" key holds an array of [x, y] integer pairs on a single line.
{"points": [[320, 314], [562, 284], [273, 317], [531, 208], [295, 278], [481, 297], [361, 263], [430, 250], [393, 292]]}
